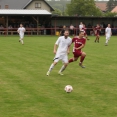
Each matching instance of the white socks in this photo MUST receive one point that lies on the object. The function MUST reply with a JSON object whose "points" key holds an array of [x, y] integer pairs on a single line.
{"points": [[51, 67], [22, 41], [62, 68]]}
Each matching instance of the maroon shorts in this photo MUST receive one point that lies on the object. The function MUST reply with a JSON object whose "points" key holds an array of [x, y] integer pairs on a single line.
{"points": [[97, 34], [77, 53]]}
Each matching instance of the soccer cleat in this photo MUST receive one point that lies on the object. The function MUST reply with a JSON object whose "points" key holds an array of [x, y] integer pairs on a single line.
{"points": [[19, 40], [48, 73], [80, 64], [60, 73]]}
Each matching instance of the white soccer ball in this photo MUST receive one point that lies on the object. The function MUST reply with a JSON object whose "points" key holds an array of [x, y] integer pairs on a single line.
{"points": [[68, 88]]}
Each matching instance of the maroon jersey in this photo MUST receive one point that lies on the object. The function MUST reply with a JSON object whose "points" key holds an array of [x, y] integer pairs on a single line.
{"points": [[84, 29], [97, 30], [77, 43]]}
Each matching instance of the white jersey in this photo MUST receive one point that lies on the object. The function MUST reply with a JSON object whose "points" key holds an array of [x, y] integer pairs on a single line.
{"points": [[80, 27], [21, 30], [63, 45], [108, 31]]}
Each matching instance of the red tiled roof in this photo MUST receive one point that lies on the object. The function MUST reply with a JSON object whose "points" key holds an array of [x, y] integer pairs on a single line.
{"points": [[101, 5], [114, 10]]}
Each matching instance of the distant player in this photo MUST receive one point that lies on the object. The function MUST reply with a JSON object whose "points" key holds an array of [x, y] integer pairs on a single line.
{"points": [[62, 52], [21, 30], [97, 30], [108, 34], [80, 26], [85, 33], [79, 43]]}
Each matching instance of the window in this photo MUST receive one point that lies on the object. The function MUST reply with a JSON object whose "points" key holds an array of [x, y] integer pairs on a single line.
{"points": [[6, 6], [37, 5]]}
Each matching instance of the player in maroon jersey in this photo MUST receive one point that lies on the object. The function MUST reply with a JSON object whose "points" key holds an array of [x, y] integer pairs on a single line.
{"points": [[79, 43], [85, 33], [97, 32]]}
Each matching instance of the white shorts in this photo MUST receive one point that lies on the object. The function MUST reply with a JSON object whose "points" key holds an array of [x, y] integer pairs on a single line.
{"points": [[63, 58], [21, 36], [108, 37]]}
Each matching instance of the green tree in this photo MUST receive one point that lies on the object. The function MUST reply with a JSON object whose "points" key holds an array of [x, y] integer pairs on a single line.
{"points": [[109, 14], [83, 8], [57, 12], [111, 4]]}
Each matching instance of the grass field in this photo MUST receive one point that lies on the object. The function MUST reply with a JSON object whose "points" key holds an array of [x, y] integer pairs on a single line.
{"points": [[26, 91]]}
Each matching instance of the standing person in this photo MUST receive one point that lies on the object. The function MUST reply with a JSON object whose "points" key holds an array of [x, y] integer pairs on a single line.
{"points": [[79, 43], [71, 29], [97, 30], [21, 30], [63, 44], [80, 26], [108, 34], [62, 31], [85, 33]]}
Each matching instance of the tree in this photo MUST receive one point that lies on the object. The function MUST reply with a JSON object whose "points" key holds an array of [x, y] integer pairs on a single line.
{"points": [[109, 14], [57, 12], [111, 4], [83, 8]]}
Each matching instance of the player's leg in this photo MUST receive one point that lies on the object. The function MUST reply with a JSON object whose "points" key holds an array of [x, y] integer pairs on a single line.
{"points": [[56, 59], [83, 55], [19, 38], [51, 67], [22, 36], [63, 68], [107, 39], [75, 58], [85, 35], [98, 38], [65, 61]]}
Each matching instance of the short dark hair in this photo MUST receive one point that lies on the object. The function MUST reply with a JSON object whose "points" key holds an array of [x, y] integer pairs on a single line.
{"points": [[81, 31], [66, 30]]}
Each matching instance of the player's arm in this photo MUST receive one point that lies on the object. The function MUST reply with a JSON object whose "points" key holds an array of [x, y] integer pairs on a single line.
{"points": [[82, 46], [56, 45], [24, 30], [105, 31], [79, 48], [55, 48], [68, 50]]}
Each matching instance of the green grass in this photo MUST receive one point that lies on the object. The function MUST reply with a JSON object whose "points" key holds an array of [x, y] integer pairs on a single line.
{"points": [[26, 91]]}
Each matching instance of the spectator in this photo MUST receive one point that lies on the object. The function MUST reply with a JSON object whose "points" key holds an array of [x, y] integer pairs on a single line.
{"points": [[1, 29], [63, 30], [10, 29], [71, 29]]}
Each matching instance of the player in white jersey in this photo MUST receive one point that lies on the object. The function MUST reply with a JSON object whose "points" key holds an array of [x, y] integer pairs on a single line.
{"points": [[80, 26], [62, 52], [21, 30], [108, 34]]}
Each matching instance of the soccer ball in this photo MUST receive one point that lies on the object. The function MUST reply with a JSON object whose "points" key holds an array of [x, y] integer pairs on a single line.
{"points": [[68, 88]]}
